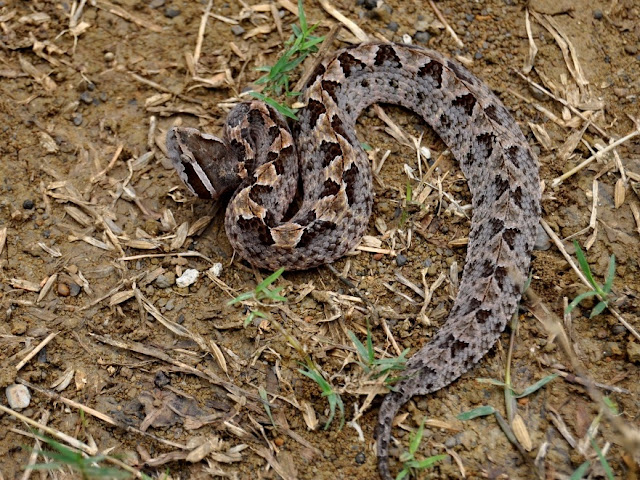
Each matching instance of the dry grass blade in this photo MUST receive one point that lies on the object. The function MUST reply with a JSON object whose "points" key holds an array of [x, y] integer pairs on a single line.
{"points": [[557, 181], [349, 24]]}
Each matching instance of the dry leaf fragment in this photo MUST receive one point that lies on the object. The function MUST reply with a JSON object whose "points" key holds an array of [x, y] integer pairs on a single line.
{"points": [[521, 432], [619, 193]]}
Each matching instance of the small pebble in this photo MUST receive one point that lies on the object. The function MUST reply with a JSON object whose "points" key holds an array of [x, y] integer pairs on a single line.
{"points": [[237, 30], [156, 3], [631, 49], [63, 289], [633, 351], [279, 441], [74, 289], [109, 57], [401, 260], [393, 26], [469, 17], [161, 380], [86, 98], [370, 4], [478, 55], [77, 119], [28, 204], [163, 281], [360, 458], [18, 396], [597, 14], [171, 12], [422, 37], [189, 277]]}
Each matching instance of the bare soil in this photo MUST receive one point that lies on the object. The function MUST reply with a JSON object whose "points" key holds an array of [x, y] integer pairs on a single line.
{"points": [[94, 219]]}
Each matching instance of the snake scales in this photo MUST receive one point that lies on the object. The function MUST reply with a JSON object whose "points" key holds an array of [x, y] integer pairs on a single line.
{"points": [[304, 199]]}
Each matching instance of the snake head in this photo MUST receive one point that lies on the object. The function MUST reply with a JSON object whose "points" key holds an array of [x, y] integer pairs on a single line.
{"points": [[202, 161]]}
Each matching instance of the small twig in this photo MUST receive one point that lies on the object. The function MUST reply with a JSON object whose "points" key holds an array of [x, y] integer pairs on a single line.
{"points": [[446, 24], [201, 29], [35, 351], [351, 26]]}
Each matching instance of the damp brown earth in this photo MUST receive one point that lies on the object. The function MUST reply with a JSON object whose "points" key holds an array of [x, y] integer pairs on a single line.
{"points": [[96, 229]]}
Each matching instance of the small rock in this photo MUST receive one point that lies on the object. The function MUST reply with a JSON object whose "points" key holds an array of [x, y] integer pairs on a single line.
{"points": [[422, 37], [86, 98], [75, 289], [161, 380], [237, 30], [63, 289], [189, 277], [28, 204], [18, 396], [633, 351], [631, 49], [401, 260], [109, 57], [597, 14], [370, 4], [18, 327], [171, 12], [360, 458], [393, 26], [469, 17], [165, 280], [156, 3], [170, 305], [77, 119], [618, 329], [543, 242]]}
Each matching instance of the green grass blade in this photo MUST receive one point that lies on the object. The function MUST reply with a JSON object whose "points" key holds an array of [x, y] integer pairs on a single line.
{"points": [[611, 272], [269, 280], [578, 299], [603, 461], [361, 349], [416, 439], [598, 309], [584, 265], [579, 472], [241, 298], [428, 462], [491, 381], [477, 412], [536, 386]]}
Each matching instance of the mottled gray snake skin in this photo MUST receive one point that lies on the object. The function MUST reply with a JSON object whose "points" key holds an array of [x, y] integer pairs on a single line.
{"points": [[304, 199]]}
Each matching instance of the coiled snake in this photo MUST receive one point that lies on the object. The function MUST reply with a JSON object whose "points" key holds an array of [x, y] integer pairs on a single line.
{"points": [[273, 222]]}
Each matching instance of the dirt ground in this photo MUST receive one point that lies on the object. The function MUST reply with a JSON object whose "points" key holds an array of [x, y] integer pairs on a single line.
{"points": [[167, 379]]}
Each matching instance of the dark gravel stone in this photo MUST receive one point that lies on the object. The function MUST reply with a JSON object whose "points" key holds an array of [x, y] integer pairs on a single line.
{"points": [[469, 17], [77, 119], [401, 260], [370, 4], [86, 98], [28, 204], [171, 12], [237, 30], [360, 458], [161, 380], [422, 37], [597, 14], [74, 289], [393, 26]]}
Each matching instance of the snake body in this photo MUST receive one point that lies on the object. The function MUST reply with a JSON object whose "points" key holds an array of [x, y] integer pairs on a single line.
{"points": [[304, 199]]}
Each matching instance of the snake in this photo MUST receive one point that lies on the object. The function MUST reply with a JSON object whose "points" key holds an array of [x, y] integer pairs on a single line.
{"points": [[302, 196]]}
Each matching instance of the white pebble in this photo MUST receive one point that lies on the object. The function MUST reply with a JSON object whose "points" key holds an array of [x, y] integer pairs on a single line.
{"points": [[18, 396], [216, 269], [189, 277]]}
